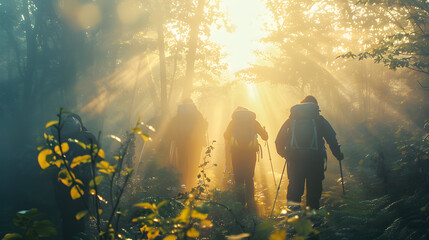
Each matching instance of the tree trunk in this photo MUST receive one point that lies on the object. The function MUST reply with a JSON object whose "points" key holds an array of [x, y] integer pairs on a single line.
{"points": [[193, 44], [159, 22], [31, 57]]}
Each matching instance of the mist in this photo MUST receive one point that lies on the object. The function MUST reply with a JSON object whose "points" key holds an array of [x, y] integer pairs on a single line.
{"points": [[129, 64]]}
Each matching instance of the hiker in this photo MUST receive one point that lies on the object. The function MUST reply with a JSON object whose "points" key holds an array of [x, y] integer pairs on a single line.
{"points": [[242, 143], [301, 140], [187, 132], [72, 128]]}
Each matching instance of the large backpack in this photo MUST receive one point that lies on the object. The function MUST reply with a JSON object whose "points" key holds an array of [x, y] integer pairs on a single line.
{"points": [[303, 130], [244, 134]]}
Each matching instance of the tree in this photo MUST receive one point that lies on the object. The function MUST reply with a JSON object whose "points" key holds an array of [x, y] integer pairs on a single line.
{"points": [[408, 46]]}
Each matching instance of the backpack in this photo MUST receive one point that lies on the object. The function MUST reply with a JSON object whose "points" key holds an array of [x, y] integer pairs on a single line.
{"points": [[303, 130], [244, 135]]}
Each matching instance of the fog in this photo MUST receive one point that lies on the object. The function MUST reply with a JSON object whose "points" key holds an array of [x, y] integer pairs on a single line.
{"points": [[115, 63]]}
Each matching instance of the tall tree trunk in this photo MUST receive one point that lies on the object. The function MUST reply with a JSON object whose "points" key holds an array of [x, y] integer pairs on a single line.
{"points": [[31, 56], [159, 21], [193, 44]]}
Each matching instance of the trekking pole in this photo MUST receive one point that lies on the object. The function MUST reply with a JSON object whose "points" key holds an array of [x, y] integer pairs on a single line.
{"points": [[278, 188], [342, 179], [271, 162]]}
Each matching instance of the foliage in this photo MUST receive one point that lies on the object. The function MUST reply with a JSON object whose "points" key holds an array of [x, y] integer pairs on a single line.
{"points": [[407, 48], [32, 229], [190, 215]]}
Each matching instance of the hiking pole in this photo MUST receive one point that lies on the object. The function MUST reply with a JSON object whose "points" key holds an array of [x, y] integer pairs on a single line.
{"points": [[278, 188], [341, 172], [342, 179], [271, 162]]}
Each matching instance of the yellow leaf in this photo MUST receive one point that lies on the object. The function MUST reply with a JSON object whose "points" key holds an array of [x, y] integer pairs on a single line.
{"points": [[64, 147], [152, 233], [170, 237], [145, 137], [81, 214], [278, 234], [404, 152], [76, 192], [184, 215], [51, 123], [206, 224], [42, 158], [192, 233], [105, 167], [136, 130], [80, 159], [144, 205], [238, 237], [92, 191], [293, 219], [100, 211], [78, 142], [58, 163], [101, 153], [198, 215], [65, 177], [78, 181], [97, 181]]}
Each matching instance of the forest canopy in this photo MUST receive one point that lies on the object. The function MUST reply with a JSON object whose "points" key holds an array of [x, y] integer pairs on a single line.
{"points": [[126, 66]]}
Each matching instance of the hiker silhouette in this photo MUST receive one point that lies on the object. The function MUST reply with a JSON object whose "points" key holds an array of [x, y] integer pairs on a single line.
{"points": [[301, 140], [187, 132], [242, 143]]}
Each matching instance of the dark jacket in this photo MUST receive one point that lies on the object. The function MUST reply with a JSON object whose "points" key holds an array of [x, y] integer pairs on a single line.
{"points": [[324, 132]]}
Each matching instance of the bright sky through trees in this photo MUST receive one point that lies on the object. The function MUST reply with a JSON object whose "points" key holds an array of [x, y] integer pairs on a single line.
{"points": [[247, 17]]}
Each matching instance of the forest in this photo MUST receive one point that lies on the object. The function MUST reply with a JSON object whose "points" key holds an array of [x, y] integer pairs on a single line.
{"points": [[121, 73]]}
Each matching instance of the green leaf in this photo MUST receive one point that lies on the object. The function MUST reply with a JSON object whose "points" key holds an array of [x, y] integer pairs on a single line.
{"points": [[302, 227], [30, 213], [44, 228], [98, 180]]}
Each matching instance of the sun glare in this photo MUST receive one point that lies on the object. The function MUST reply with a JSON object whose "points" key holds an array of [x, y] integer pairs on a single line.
{"points": [[247, 17]]}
